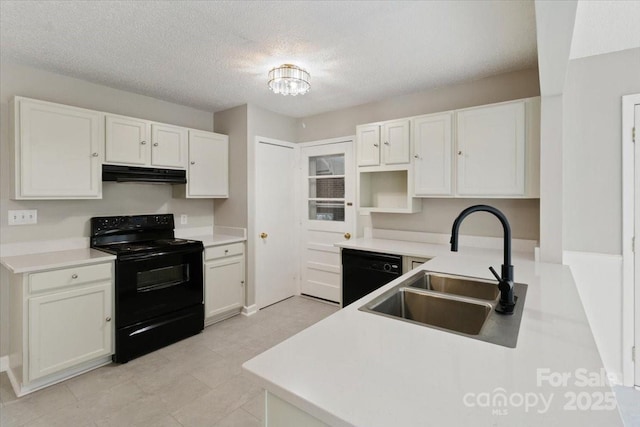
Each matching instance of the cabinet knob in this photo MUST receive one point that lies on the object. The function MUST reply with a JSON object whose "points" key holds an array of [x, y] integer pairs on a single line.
{"points": [[263, 235], [375, 145], [108, 319], [459, 153], [415, 156], [242, 282], [347, 236], [155, 144], [226, 251], [143, 142], [95, 154], [386, 143], [74, 276], [192, 162]]}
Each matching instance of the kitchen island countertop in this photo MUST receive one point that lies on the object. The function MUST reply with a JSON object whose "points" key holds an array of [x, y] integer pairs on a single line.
{"points": [[360, 369]]}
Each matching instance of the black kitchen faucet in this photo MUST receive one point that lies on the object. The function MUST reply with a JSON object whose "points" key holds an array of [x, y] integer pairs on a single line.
{"points": [[505, 283]]}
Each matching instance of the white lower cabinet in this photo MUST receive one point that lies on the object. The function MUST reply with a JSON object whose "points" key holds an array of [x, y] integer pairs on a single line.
{"points": [[61, 324], [58, 339], [224, 282]]}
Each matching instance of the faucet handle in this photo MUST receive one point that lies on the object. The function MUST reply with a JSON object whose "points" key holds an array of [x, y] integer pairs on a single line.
{"points": [[495, 274]]}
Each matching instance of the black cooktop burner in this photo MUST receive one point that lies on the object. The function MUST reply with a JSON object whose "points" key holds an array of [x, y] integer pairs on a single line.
{"points": [[147, 245]]}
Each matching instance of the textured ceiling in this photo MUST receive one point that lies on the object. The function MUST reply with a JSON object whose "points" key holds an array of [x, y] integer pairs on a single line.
{"points": [[214, 55], [605, 26]]}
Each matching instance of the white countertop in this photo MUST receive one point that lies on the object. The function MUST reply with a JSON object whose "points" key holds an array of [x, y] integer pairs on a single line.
{"points": [[51, 260], [420, 249], [217, 239], [32, 262], [360, 369]]}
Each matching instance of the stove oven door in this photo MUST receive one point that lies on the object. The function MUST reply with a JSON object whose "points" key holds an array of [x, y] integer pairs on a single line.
{"points": [[155, 285]]}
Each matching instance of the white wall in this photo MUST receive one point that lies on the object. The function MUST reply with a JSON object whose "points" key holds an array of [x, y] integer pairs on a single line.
{"points": [[438, 214], [70, 218], [592, 190], [232, 212], [593, 149]]}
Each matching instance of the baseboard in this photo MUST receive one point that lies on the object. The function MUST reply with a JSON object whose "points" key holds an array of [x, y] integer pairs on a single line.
{"points": [[4, 363], [249, 310]]}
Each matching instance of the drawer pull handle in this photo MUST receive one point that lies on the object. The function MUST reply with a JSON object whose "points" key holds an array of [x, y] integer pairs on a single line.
{"points": [[74, 276], [108, 319]]}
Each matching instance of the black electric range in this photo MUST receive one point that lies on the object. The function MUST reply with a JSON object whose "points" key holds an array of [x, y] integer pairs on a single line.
{"points": [[158, 282]]}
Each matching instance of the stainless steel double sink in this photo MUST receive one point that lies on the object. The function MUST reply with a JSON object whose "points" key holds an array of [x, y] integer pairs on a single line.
{"points": [[457, 304]]}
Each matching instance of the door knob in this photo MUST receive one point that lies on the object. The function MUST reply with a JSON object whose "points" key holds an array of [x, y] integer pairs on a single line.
{"points": [[347, 236], [263, 235]]}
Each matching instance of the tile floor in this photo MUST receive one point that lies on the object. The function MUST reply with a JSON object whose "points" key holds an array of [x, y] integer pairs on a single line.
{"points": [[196, 382]]}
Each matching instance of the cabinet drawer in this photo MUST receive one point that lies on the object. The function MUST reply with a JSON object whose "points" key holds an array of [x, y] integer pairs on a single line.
{"points": [[224, 251], [48, 280]]}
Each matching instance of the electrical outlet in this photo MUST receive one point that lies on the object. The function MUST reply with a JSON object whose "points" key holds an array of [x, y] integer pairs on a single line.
{"points": [[31, 216], [23, 217], [14, 217], [184, 219]]}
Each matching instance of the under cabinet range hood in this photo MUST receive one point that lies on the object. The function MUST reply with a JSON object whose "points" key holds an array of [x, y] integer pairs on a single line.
{"points": [[144, 175]]}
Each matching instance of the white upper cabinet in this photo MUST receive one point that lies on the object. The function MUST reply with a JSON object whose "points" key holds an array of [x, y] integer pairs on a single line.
{"points": [[395, 142], [383, 144], [491, 150], [368, 145], [127, 140], [58, 151], [433, 146], [169, 146], [137, 142], [208, 172], [487, 151]]}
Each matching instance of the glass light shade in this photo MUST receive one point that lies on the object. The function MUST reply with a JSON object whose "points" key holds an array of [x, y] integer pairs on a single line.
{"points": [[289, 79]]}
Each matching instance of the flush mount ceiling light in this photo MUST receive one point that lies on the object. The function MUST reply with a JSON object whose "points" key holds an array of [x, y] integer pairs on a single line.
{"points": [[289, 79]]}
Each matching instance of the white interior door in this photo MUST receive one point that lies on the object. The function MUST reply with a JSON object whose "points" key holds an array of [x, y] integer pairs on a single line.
{"points": [[636, 275], [275, 220], [328, 215]]}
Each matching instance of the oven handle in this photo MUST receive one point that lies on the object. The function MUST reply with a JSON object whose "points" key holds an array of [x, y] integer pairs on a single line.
{"points": [[138, 257], [159, 286]]}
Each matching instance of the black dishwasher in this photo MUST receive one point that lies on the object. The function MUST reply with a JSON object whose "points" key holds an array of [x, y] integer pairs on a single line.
{"points": [[364, 272]]}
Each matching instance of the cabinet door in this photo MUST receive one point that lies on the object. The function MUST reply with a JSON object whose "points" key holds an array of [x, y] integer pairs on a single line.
{"points": [[395, 142], [432, 154], [58, 150], [224, 286], [169, 146], [491, 150], [68, 328], [208, 172], [368, 145], [127, 140]]}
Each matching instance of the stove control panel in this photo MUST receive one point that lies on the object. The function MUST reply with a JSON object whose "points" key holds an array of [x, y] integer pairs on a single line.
{"points": [[112, 224]]}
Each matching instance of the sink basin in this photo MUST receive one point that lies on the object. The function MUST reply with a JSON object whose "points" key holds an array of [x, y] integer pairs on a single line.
{"points": [[435, 310], [456, 285], [454, 304]]}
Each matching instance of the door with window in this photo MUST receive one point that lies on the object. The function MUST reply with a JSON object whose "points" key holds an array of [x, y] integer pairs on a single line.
{"points": [[328, 215]]}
